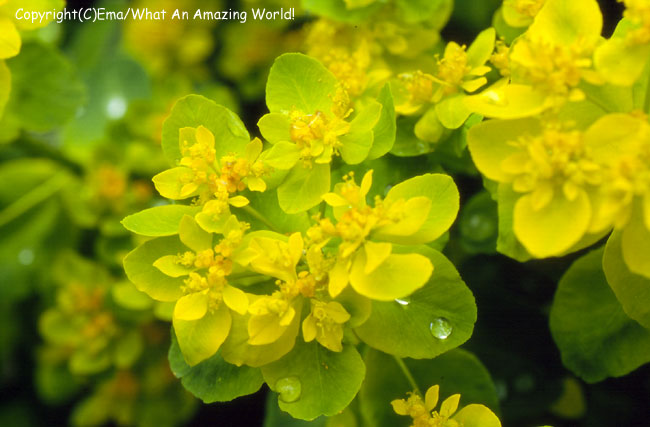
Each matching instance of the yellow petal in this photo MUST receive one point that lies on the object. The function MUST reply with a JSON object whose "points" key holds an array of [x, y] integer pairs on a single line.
{"points": [[449, 405], [238, 201], [335, 200], [338, 277], [235, 299], [204, 136], [191, 307], [264, 329], [431, 397], [253, 150], [201, 339], [376, 253], [295, 247], [398, 276], [336, 312], [9, 39], [256, 184], [309, 328], [553, 229], [400, 407], [477, 416], [366, 183], [169, 265], [489, 146]]}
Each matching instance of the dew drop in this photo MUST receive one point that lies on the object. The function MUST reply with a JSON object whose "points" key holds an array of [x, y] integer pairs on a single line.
{"points": [[116, 107], [289, 389], [441, 328], [26, 257], [403, 302]]}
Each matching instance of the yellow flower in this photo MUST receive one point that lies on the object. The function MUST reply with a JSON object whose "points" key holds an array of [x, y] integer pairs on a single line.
{"points": [[624, 197], [553, 171], [207, 297], [424, 415], [459, 70], [638, 12], [325, 324], [369, 266], [520, 13], [213, 181]]}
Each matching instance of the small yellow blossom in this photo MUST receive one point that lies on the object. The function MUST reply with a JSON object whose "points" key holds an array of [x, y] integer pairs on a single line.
{"points": [[214, 182], [325, 324], [554, 69], [360, 260], [424, 415], [638, 12]]}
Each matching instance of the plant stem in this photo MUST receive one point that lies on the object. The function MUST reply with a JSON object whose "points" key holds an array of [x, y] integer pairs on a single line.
{"points": [[33, 197], [599, 104], [408, 375], [257, 215]]}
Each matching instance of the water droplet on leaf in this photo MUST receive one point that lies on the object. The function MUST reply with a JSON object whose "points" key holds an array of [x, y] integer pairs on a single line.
{"points": [[116, 107], [441, 328], [289, 389], [404, 302], [26, 257]]}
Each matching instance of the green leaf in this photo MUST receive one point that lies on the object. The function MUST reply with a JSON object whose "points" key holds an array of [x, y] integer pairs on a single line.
{"points": [[429, 128], [45, 89], [635, 240], [275, 417], [440, 315], [229, 132], [5, 86], [631, 290], [193, 236], [442, 192], [386, 128], [313, 381], [452, 111], [355, 147], [304, 187], [457, 371], [407, 143], [275, 127], [595, 337], [507, 242], [267, 202], [128, 296], [139, 268], [214, 380], [283, 155], [159, 220], [434, 12], [297, 81]]}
